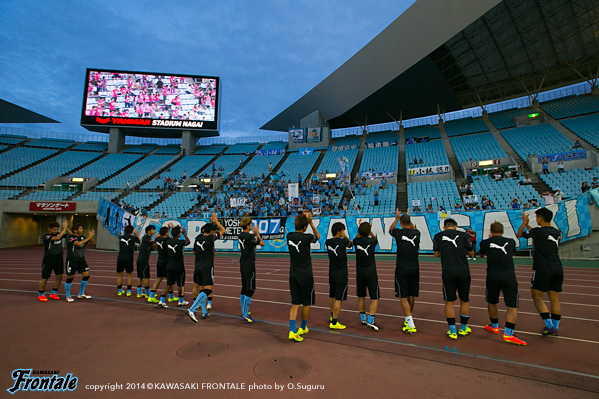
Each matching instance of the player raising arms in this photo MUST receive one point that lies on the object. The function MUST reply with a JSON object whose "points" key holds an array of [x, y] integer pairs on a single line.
{"points": [[76, 260], [501, 276], [548, 273], [203, 275], [143, 261], [407, 269], [366, 276], [301, 279], [52, 259], [124, 260], [337, 251], [248, 240], [452, 246], [175, 272], [161, 264]]}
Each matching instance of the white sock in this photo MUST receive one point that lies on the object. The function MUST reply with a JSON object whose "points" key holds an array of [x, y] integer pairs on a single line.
{"points": [[410, 321]]}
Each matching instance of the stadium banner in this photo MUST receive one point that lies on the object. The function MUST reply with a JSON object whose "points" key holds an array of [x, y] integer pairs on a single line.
{"points": [[344, 147], [270, 152], [564, 156], [298, 135], [572, 217], [314, 135], [380, 144], [595, 195], [430, 170], [113, 217], [305, 151], [269, 228], [377, 175], [52, 206]]}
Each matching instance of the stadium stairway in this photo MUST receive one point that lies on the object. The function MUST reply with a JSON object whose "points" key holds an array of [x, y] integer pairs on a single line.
{"points": [[248, 159], [275, 169], [453, 160], [316, 165], [561, 128], [159, 172], [401, 200]]}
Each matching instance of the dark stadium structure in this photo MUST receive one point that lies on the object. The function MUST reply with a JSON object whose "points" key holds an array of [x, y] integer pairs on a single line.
{"points": [[443, 56], [12, 113]]}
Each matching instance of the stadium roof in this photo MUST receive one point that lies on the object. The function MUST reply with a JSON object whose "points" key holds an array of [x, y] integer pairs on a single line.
{"points": [[450, 55], [12, 113]]}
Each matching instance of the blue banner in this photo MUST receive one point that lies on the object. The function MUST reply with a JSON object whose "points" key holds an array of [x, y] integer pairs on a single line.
{"points": [[114, 218], [305, 151], [270, 152], [564, 156], [572, 217], [314, 135], [298, 135]]}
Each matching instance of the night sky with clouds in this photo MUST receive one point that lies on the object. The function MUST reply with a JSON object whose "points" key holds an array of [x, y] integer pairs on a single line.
{"points": [[267, 53]]}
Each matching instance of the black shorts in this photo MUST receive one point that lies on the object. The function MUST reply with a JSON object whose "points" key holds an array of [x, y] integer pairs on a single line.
{"points": [[143, 268], [543, 280], [175, 276], [369, 280], [338, 286], [203, 276], [248, 278], [407, 282], [509, 287], [52, 264], [124, 264], [302, 291], [161, 268], [76, 265], [461, 284]]}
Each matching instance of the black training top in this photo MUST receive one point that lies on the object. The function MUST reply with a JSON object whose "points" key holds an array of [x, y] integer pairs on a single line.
{"points": [[174, 250], [365, 254], [127, 246], [408, 243], [545, 248], [453, 245], [161, 248], [203, 248], [500, 256], [247, 244], [337, 251], [52, 248], [298, 244], [73, 251], [145, 248]]}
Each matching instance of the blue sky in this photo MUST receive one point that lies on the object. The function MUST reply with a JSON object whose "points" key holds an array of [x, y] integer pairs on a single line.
{"points": [[267, 53]]}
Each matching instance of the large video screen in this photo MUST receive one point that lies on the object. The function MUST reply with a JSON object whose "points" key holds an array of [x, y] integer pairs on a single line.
{"points": [[150, 100]]}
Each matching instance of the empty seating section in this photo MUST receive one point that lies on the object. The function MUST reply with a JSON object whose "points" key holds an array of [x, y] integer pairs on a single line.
{"points": [[168, 149], [3, 147], [53, 167], [391, 137], [275, 145], [9, 194], [190, 164], [211, 149], [570, 181], [259, 165], [11, 140], [247, 148], [138, 172], [465, 126], [228, 162], [478, 147], [348, 140], [92, 146], [108, 165], [502, 192], [571, 106], [504, 119], [20, 157], [380, 159], [297, 164], [142, 199], [96, 195], [536, 140], [48, 196], [586, 127], [50, 143], [432, 153], [430, 131], [175, 205], [365, 199], [140, 148], [330, 162], [438, 193]]}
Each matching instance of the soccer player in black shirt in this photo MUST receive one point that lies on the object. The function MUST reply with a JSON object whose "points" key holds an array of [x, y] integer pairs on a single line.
{"points": [[548, 275], [301, 279], [76, 261], [337, 251], [248, 240], [146, 246], [124, 260], [452, 246], [203, 275], [501, 277], [161, 264], [366, 276], [175, 272], [407, 270], [52, 259]]}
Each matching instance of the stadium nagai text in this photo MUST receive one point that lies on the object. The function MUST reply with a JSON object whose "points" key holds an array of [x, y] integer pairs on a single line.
{"points": [[149, 122]]}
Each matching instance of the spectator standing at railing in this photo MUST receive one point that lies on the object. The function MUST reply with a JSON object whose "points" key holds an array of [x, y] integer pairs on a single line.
{"points": [[516, 203], [545, 167], [469, 176], [594, 183], [376, 198], [560, 166], [585, 187]]}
